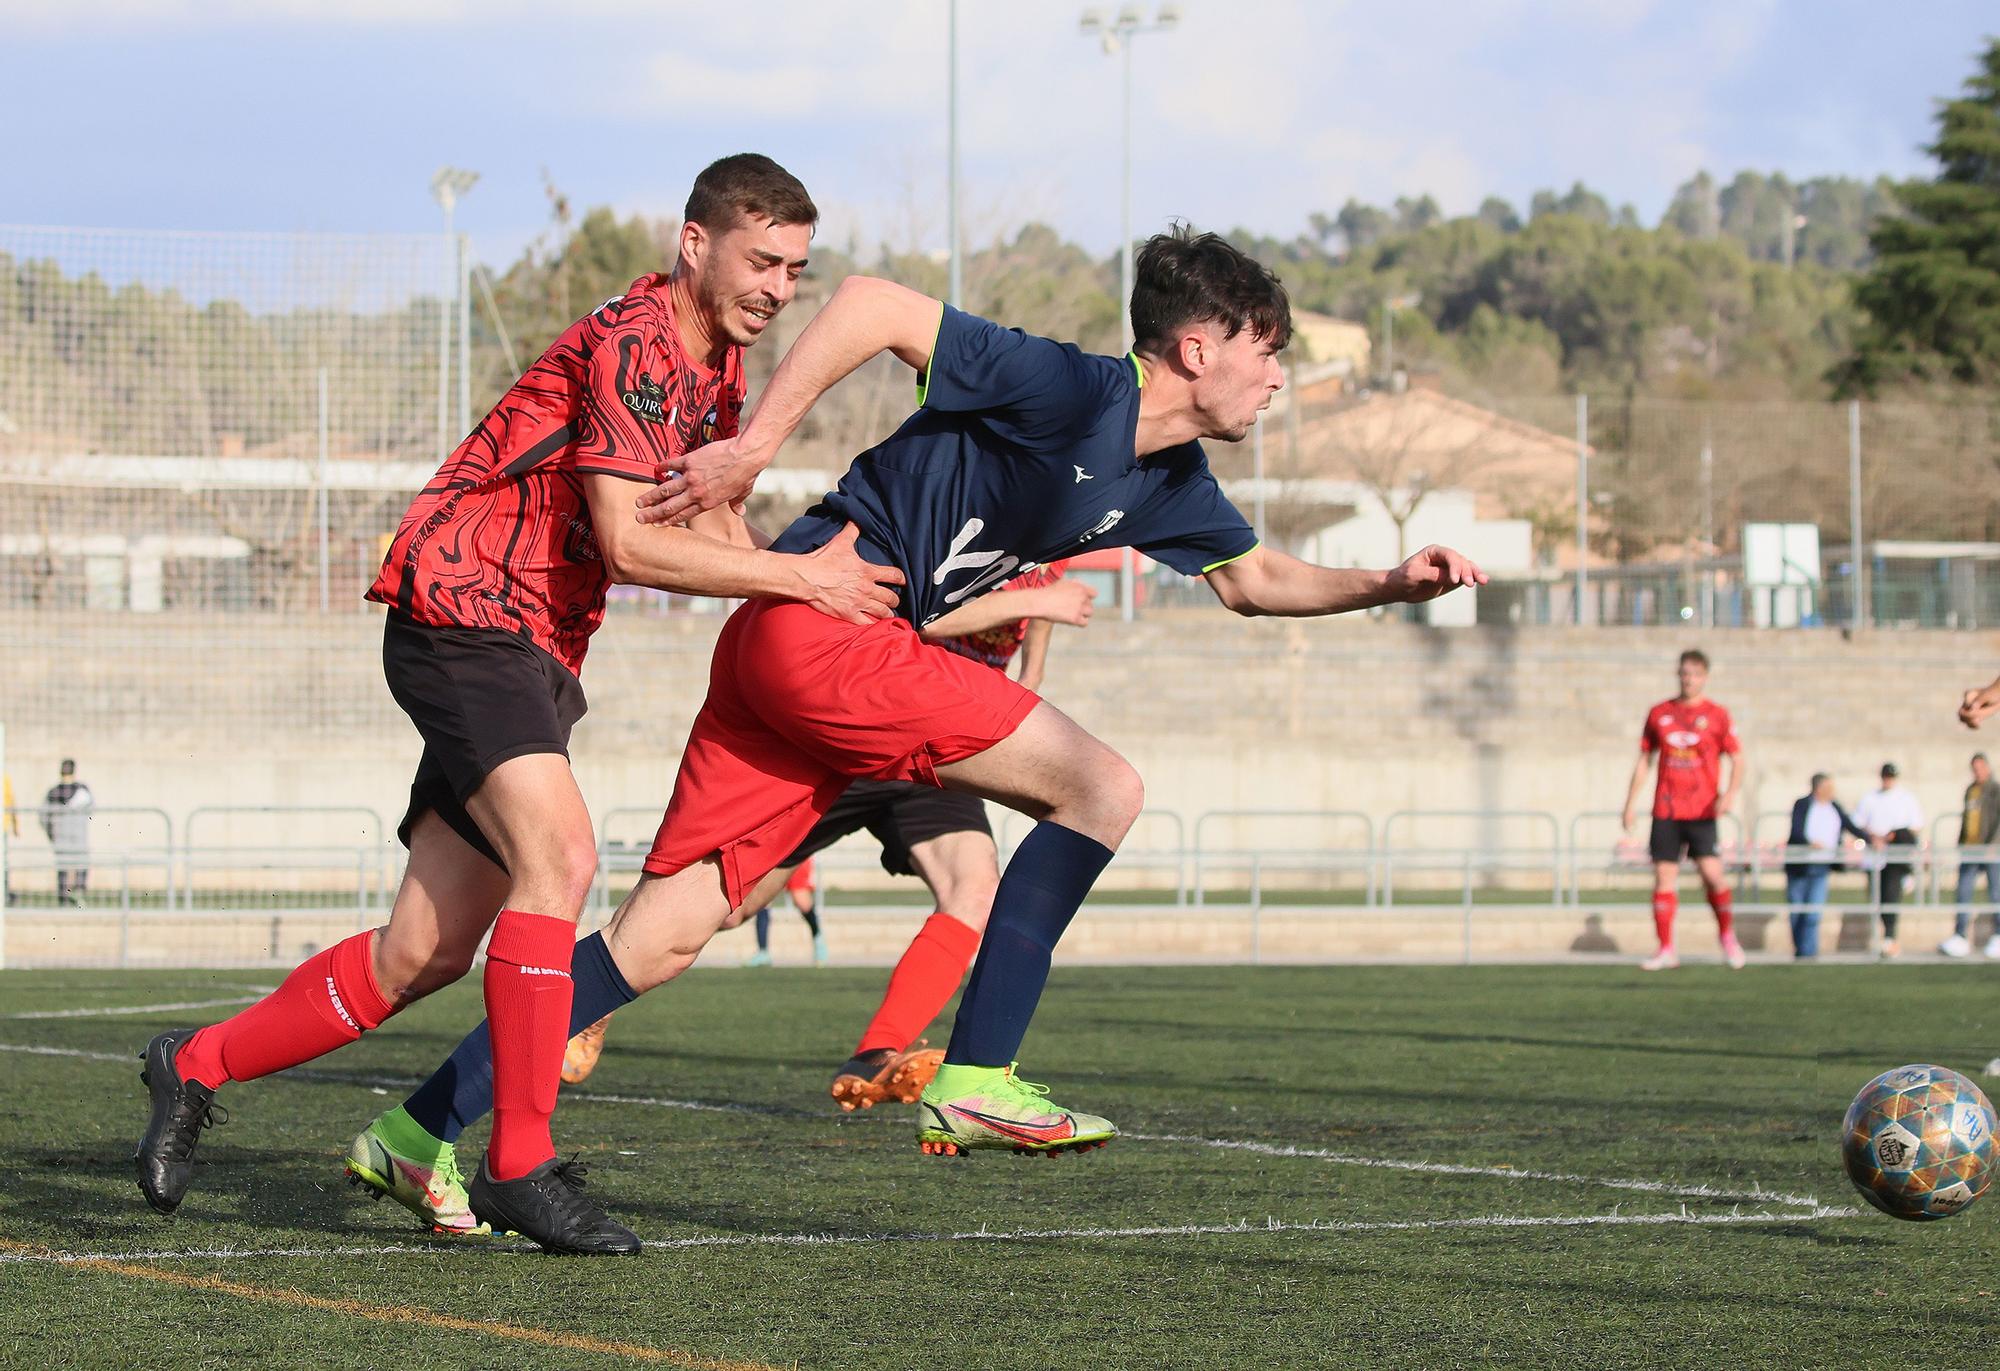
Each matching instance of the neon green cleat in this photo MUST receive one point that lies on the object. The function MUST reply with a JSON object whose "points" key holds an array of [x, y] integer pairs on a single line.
{"points": [[397, 1158], [967, 1107]]}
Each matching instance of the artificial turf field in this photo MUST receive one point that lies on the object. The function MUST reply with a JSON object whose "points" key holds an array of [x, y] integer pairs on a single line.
{"points": [[1407, 1166]]}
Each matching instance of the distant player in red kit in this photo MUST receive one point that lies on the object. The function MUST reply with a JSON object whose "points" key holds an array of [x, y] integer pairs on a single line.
{"points": [[1690, 734]]}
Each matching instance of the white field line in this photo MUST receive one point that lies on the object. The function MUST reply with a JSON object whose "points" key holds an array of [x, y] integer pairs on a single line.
{"points": [[129, 1009], [1679, 1191], [1505, 1173], [1815, 1214]]}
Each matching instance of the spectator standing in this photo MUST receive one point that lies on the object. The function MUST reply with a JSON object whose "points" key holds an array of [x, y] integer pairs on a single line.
{"points": [[13, 831], [1893, 818], [1978, 821], [1818, 822], [66, 823]]}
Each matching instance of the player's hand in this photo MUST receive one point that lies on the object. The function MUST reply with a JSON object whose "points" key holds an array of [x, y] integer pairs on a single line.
{"points": [[1976, 705], [1431, 572], [1068, 602], [1724, 804], [838, 582], [709, 477], [1629, 818]]}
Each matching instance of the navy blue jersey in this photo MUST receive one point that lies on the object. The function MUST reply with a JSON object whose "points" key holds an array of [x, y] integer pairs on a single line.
{"points": [[1021, 452]]}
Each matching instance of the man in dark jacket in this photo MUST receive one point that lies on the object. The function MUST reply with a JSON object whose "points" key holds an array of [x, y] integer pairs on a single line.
{"points": [[1818, 822]]}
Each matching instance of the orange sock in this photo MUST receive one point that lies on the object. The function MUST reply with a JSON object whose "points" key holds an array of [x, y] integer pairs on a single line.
{"points": [[922, 982], [528, 993], [1665, 904], [327, 1002], [1723, 902]]}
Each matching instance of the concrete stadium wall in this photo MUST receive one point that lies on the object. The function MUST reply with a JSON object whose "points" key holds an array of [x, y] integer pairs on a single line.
{"points": [[1217, 712]]}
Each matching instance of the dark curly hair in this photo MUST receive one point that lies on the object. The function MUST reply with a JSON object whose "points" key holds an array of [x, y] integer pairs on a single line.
{"points": [[1183, 277]]}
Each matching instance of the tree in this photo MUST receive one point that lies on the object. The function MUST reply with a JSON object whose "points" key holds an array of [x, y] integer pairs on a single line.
{"points": [[1498, 213], [1362, 226], [1933, 294]]}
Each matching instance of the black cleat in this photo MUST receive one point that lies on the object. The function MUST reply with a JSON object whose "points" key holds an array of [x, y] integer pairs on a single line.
{"points": [[548, 1205], [181, 1109]]}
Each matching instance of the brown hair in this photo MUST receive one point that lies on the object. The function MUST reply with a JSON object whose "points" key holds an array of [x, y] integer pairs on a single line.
{"points": [[1696, 655], [747, 185], [1183, 277]]}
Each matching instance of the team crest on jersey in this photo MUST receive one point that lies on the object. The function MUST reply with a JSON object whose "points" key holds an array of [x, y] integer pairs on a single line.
{"points": [[711, 426], [648, 400]]}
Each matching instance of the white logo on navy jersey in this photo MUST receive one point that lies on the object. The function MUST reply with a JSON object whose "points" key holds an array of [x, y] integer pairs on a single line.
{"points": [[1104, 525], [992, 566], [1082, 475]]}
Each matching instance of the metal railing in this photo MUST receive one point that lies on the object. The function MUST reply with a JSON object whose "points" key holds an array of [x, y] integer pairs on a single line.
{"points": [[1242, 861]]}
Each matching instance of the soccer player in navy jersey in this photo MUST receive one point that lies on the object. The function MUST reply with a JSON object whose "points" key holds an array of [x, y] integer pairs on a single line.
{"points": [[940, 836], [1022, 451], [494, 583]]}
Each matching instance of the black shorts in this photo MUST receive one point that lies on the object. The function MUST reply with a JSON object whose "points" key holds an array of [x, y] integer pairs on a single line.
{"points": [[1673, 837], [900, 814], [478, 697]]}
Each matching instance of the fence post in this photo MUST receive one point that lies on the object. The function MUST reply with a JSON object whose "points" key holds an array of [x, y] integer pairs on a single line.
{"points": [[1582, 507]]}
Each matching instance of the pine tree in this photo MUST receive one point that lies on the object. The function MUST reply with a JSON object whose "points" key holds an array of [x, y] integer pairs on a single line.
{"points": [[1933, 293]]}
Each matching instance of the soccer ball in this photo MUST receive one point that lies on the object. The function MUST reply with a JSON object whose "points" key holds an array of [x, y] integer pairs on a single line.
{"points": [[1918, 1142]]}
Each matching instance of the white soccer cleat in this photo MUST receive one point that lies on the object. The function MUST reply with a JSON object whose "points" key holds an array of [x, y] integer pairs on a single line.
{"points": [[1666, 959], [1955, 946], [1732, 952], [1993, 947]]}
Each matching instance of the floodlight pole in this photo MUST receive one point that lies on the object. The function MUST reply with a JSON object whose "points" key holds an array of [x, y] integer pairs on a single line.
{"points": [[1857, 614], [1116, 34], [956, 291], [1582, 508], [447, 184]]}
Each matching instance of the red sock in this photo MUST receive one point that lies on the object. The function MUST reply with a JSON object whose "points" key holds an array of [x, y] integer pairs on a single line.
{"points": [[328, 1002], [1665, 903], [528, 995], [921, 983], [1723, 902]]}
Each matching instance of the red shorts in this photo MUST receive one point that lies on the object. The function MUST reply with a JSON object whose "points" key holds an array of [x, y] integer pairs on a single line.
{"points": [[800, 703]]}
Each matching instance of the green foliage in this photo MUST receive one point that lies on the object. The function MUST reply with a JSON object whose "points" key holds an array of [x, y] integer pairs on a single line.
{"points": [[1933, 294]]}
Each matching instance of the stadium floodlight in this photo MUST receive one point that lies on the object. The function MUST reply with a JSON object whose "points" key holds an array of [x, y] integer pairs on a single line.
{"points": [[447, 185], [1116, 34]]}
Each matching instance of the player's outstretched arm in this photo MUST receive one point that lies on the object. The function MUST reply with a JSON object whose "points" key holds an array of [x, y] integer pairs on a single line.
{"points": [[1064, 602], [1976, 705], [865, 318], [1266, 581], [724, 562]]}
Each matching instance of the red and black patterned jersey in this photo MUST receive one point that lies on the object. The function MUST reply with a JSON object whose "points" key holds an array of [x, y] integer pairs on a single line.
{"points": [[996, 646], [501, 537], [1690, 739]]}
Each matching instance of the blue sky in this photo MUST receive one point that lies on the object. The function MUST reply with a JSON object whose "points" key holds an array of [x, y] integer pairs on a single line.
{"points": [[289, 114]]}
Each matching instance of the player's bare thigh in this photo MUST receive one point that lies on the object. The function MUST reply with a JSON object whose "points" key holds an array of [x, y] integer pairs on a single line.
{"points": [[1712, 874], [450, 895], [662, 926], [1051, 768], [962, 870], [530, 809], [761, 894]]}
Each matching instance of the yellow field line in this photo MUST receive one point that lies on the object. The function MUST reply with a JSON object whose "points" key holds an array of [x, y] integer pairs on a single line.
{"points": [[403, 1313]]}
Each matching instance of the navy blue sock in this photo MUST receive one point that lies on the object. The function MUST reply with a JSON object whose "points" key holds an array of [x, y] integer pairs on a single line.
{"points": [[811, 916], [461, 1091], [764, 929], [1040, 892]]}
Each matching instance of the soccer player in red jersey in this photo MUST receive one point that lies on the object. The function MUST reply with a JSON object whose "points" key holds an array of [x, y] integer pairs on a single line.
{"points": [[494, 583], [1690, 735], [941, 836]]}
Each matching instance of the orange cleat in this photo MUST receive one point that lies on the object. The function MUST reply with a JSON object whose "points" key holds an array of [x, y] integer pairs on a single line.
{"points": [[580, 1057], [883, 1073]]}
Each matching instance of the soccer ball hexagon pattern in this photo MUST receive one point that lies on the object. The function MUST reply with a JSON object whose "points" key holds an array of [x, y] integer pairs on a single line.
{"points": [[1918, 1142]]}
